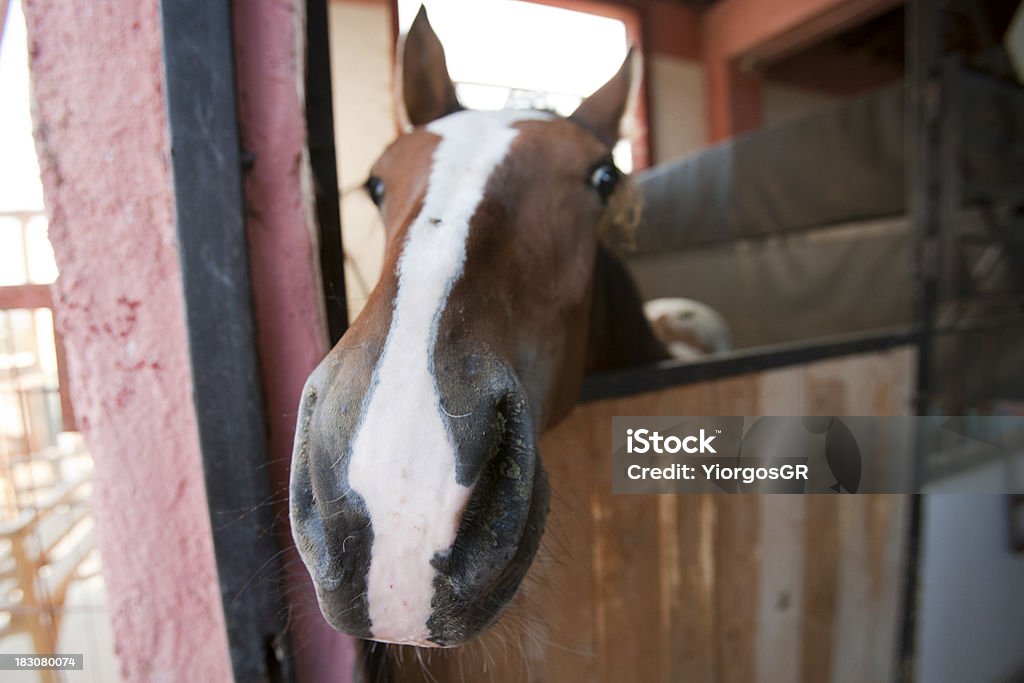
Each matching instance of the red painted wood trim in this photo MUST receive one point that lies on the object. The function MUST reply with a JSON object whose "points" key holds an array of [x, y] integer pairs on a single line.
{"points": [[40, 296], [834, 72], [25, 296], [841, 15], [739, 35], [672, 30], [734, 101], [760, 31], [67, 409]]}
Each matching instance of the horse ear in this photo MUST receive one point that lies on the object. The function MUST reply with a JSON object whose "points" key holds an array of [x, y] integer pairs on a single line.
{"points": [[427, 90], [602, 112]]}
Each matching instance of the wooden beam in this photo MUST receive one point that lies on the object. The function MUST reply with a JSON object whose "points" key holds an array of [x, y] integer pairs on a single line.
{"points": [[739, 36], [671, 29], [40, 296], [67, 408], [734, 98], [756, 32], [833, 18], [25, 296], [831, 70]]}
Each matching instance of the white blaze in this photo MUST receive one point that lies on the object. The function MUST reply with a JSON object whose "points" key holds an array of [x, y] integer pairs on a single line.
{"points": [[403, 459]]}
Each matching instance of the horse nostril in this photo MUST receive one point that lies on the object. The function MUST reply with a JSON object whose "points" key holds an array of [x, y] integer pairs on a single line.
{"points": [[500, 528], [493, 519]]}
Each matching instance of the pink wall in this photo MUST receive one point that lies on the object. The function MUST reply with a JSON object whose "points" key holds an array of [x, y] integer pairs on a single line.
{"points": [[101, 134], [269, 52], [103, 146]]}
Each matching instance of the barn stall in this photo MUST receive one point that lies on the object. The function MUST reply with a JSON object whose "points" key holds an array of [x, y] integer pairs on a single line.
{"points": [[832, 314], [828, 246], [630, 587], [707, 587], [716, 587]]}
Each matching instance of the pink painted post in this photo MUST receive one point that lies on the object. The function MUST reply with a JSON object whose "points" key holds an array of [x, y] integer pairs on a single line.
{"points": [[103, 147], [101, 134], [270, 60]]}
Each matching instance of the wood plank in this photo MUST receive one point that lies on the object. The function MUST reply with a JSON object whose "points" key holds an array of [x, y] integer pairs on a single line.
{"points": [[855, 611], [902, 365], [566, 590], [821, 578], [625, 552], [888, 519], [25, 296], [783, 522], [871, 537], [737, 550], [737, 547], [782, 392], [827, 387], [687, 522], [708, 588], [738, 395]]}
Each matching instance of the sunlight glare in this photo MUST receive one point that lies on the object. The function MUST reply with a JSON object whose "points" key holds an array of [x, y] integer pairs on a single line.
{"points": [[505, 53]]}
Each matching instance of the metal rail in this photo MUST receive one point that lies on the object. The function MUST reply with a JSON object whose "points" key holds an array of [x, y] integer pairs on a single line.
{"points": [[228, 394]]}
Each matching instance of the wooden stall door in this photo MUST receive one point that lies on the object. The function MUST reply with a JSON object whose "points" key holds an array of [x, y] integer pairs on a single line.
{"points": [[705, 588]]}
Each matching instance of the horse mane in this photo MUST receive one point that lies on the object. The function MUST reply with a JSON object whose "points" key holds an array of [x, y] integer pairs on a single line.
{"points": [[620, 335]]}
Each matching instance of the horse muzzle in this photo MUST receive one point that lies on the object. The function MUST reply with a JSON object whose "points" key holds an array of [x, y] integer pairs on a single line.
{"points": [[400, 548]]}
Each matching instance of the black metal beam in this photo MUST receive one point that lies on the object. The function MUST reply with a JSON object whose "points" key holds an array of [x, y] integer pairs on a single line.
{"points": [[674, 373], [924, 47], [924, 201], [323, 159], [206, 166]]}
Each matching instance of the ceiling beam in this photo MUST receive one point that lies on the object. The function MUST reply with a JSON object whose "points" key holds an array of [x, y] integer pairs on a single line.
{"points": [[741, 36], [754, 32]]}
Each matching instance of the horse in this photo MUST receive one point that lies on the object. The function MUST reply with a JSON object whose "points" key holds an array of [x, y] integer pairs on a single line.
{"points": [[417, 495], [688, 329]]}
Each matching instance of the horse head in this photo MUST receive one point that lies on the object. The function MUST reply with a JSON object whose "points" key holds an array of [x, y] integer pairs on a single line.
{"points": [[418, 498]]}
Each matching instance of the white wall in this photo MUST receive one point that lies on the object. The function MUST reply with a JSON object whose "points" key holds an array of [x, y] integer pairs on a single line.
{"points": [[971, 616], [678, 107], [364, 123]]}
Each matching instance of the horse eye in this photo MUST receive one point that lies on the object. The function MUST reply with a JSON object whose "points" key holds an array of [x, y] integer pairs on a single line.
{"points": [[374, 187], [604, 179]]}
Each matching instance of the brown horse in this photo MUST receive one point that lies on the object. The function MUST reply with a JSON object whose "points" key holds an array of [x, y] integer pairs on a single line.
{"points": [[418, 499]]}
